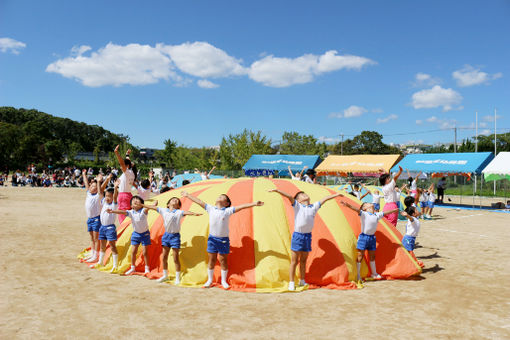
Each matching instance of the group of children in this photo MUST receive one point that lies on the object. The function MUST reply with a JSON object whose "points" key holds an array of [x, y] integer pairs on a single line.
{"points": [[102, 204]]}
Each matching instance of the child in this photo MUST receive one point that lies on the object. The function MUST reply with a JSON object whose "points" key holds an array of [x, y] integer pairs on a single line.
{"points": [[412, 229], [310, 176], [366, 239], [204, 175], [93, 209], [218, 243], [391, 197], [172, 238], [297, 175], [424, 199], [413, 183], [356, 191], [144, 189], [376, 200], [431, 202], [301, 243], [126, 182], [108, 231], [141, 232]]}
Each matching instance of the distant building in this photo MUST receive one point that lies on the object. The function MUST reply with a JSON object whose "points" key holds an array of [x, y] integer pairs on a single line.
{"points": [[89, 156]]}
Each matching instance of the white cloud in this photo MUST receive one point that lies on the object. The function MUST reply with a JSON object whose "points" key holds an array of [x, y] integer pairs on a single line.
{"points": [[487, 132], [377, 110], [136, 64], [324, 139], [201, 59], [424, 79], [442, 123], [350, 112], [116, 65], [419, 122], [470, 76], [387, 119], [283, 72], [11, 45], [206, 84], [436, 97], [490, 118]]}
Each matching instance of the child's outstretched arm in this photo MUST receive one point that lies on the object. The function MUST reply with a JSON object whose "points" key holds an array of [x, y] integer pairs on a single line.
{"points": [[194, 199], [99, 181], [304, 168], [330, 197], [366, 193], [191, 213], [387, 212], [151, 207], [105, 183], [210, 172], [289, 197], [406, 215], [118, 212], [357, 210], [290, 172], [116, 191], [85, 179], [119, 158], [248, 205], [398, 173]]}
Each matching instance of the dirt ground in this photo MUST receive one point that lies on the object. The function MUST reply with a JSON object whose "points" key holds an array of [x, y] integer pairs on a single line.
{"points": [[464, 291]]}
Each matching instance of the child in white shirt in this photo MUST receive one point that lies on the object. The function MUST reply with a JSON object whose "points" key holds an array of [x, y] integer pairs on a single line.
{"points": [[412, 230]]}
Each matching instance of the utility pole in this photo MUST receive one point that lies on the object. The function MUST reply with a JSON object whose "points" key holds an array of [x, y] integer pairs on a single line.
{"points": [[342, 145], [495, 144], [455, 144], [476, 139]]}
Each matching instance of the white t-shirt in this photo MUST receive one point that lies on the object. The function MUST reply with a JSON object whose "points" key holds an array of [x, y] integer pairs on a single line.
{"points": [[77, 173], [413, 227], [171, 219], [218, 220], [424, 197], [414, 185], [376, 199], [204, 177], [106, 218], [93, 205], [357, 194], [143, 193], [304, 216], [126, 181], [432, 197], [295, 178], [307, 179], [138, 220], [389, 192], [369, 222]]}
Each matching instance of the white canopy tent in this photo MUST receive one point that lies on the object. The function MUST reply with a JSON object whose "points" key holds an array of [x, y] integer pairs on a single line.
{"points": [[498, 168]]}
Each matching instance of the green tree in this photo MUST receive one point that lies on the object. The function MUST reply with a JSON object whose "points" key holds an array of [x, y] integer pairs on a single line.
{"points": [[294, 143], [235, 150], [367, 142]]}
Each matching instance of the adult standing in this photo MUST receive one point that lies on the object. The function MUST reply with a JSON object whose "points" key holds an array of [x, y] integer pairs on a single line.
{"points": [[441, 186], [391, 196], [126, 183]]}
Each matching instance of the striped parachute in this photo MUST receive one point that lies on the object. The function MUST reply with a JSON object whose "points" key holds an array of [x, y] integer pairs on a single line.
{"points": [[260, 237]]}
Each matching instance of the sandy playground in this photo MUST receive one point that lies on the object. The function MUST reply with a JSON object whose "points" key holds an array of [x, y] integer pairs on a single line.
{"points": [[464, 291]]}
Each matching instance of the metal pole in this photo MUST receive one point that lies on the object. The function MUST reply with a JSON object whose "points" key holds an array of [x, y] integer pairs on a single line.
{"points": [[495, 145], [455, 150], [342, 145], [476, 139]]}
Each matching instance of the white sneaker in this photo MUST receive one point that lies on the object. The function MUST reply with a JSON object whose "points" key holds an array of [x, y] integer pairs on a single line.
{"points": [[162, 279], [303, 283], [292, 286], [92, 259], [130, 271], [177, 281], [208, 284], [114, 270], [225, 284], [376, 276]]}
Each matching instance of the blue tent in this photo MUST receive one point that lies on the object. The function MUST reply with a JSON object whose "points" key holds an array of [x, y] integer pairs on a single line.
{"points": [[192, 178], [264, 165], [467, 162]]}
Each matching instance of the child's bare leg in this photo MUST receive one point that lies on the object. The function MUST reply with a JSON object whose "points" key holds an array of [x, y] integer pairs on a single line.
{"points": [[210, 269], [359, 258], [302, 267], [177, 262], [292, 270], [166, 250], [134, 250], [92, 246], [371, 256], [113, 247], [146, 258], [224, 270], [96, 240], [103, 245]]}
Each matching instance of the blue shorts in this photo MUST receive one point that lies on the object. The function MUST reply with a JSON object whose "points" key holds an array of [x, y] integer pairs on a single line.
{"points": [[398, 204], [143, 238], [366, 242], [93, 224], [218, 245], [408, 242], [171, 240], [424, 204], [430, 204], [108, 232], [377, 206], [301, 242]]}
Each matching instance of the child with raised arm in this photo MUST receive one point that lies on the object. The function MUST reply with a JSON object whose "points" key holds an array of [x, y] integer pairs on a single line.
{"points": [[366, 240], [126, 182], [172, 238], [356, 191], [412, 230], [93, 209], [297, 175], [141, 232], [205, 175], [218, 243], [301, 243], [376, 200], [391, 197], [431, 202], [108, 230]]}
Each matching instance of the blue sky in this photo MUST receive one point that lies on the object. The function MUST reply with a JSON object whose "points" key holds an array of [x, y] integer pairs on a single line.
{"points": [[194, 71]]}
